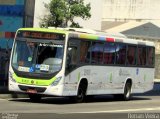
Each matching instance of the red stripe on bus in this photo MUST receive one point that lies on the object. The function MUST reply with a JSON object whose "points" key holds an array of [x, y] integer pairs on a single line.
{"points": [[110, 39]]}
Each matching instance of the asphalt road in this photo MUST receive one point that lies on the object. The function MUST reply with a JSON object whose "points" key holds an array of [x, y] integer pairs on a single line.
{"points": [[100, 107]]}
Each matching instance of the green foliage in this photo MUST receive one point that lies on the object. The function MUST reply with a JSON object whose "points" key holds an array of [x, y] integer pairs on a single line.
{"points": [[63, 12]]}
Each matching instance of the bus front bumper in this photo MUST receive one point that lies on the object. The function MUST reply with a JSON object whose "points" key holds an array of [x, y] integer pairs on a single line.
{"points": [[45, 90]]}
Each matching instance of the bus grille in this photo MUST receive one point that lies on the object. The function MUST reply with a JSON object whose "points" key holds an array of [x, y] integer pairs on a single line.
{"points": [[38, 89]]}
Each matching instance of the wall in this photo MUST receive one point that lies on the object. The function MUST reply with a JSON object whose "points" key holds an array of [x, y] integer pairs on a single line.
{"points": [[40, 11], [131, 10], [14, 14], [11, 18], [29, 13], [96, 15]]}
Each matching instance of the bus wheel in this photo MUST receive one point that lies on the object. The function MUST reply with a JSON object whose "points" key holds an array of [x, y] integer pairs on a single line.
{"points": [[127, 91], [35, 97], [81, 94]]}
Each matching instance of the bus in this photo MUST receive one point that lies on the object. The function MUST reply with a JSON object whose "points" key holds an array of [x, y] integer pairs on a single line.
{"points": [[79, 63]]}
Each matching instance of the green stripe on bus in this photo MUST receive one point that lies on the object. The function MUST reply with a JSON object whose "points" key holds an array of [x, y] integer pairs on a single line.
{"points": [[110, 78], [86, 36], [35, 82], [43, 30], [144, 77], [78, 76]]}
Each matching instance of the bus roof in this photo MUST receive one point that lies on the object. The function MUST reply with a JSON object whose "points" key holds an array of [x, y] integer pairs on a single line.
{"points": [[91, 34]]}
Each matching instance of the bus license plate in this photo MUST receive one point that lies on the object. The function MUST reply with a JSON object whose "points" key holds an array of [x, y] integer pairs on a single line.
{"points": [[31, 91]]}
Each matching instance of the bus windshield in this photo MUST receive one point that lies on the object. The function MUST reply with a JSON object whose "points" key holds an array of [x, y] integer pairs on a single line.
{"points": [[37, 57]]}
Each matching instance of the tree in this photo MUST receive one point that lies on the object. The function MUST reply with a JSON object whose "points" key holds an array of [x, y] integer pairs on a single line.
{"points": [[63, 12]]}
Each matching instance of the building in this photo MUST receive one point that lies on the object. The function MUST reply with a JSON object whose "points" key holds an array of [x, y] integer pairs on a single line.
{"points": [[13, 15]]}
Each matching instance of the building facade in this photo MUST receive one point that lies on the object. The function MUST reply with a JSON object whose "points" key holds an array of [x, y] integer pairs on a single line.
{"points": [[14, 14]]}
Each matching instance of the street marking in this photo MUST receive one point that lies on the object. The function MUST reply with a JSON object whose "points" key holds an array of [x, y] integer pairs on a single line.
{"points": [[117, 111]]}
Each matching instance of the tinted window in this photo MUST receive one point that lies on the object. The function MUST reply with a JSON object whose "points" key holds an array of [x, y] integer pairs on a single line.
{"points": [[150, 56], [84, 52], [141, 55], [109, 53], [121, 53], [72, 52], [97, 52], [131, 55]]}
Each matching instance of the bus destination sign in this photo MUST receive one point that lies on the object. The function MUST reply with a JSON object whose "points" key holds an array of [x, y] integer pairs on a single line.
{"points": [[40, 35]]}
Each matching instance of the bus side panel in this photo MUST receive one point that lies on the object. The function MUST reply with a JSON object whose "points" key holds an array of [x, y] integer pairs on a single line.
{"points": [[109, 79]]}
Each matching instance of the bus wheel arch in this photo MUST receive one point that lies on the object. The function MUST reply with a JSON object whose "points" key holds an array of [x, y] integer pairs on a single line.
{"points": [[81, 90]]}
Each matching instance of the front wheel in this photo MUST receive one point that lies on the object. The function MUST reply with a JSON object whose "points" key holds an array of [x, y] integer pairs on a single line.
{"points": [[80, 95]]}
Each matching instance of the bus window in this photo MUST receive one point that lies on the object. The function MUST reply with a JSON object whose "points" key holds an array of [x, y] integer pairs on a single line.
{"points": [[150, 56], [109, 53], [72, 54], [50, 51], [97, 52], [121, 54], [84, 52], [131, 53], [141, 55], [22, 56]]}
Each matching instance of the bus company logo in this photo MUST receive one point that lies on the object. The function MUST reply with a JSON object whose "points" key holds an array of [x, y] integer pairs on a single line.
{"points": [[32, 82], [123, 73]]}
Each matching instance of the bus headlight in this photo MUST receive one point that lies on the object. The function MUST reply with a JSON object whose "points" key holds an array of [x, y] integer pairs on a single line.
{"points": [[11, 77], [56, 81]]}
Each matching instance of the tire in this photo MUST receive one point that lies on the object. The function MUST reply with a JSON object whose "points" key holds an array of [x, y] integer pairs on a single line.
{"points": [[81, 94], [127, 93], [35, 97]]}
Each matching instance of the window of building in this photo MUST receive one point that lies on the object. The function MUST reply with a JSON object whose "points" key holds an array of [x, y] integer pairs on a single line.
{"points": [[109, 53]]}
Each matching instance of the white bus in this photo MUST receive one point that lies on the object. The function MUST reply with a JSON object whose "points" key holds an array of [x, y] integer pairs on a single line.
{"points": [[79, 63]]}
